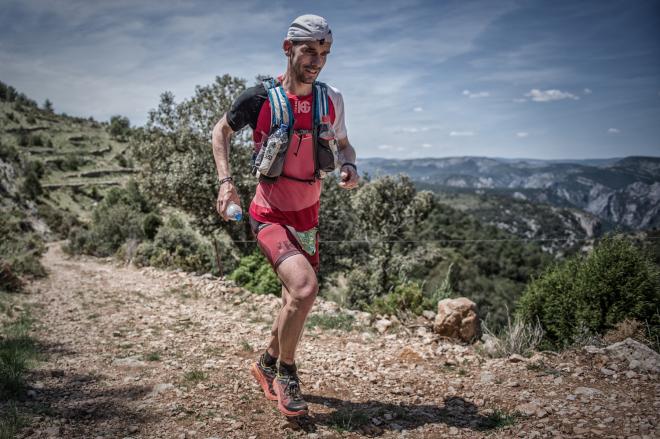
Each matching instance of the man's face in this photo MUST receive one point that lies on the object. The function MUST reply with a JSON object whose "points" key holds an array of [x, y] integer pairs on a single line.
{"points": [[306, 59]]}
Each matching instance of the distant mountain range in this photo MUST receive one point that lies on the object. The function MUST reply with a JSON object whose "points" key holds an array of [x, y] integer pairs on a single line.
{"points": [[623, 192]]}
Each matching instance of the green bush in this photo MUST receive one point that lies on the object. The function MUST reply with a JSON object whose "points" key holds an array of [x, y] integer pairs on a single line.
{"points": [[593, 293], [176, 245], [8, 153], [36, 140], [255, 274], [405, 298], [33, 172], [17, 353], [59, 221], [116, 219], [20, 249], [151, 224]]}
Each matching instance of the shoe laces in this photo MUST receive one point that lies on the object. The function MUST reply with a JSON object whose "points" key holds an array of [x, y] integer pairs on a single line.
{"points": [[293, 386]]}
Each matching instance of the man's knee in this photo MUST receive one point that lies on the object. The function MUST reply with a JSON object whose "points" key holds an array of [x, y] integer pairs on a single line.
{"points": [[305, 294]]}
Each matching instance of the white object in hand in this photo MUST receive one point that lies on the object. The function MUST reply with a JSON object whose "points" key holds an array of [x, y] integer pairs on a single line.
{"points": [[234, 212]]}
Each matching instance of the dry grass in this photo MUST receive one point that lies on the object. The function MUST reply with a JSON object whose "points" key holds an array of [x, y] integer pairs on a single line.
{"points": [[629, 328], [517, 337]]}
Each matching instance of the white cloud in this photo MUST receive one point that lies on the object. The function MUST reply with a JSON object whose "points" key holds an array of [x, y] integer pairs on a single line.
{"points": [[520, 100], [461, 133], [411, 130], [613, 130], [522, 134], [480, 94], [418, 109], [549, 95], [587, 91], [385, 147], [427, 145]]}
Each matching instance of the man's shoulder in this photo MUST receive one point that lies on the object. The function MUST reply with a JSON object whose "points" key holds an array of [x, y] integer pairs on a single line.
{"points": [[257, 91], [332, 89]]}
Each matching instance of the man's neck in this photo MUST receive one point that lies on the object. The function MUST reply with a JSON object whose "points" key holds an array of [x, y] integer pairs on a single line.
{"points": [[291, 85]]}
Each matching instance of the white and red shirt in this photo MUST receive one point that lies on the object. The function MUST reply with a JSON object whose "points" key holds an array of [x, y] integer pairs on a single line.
{"points": [[287, 201]]}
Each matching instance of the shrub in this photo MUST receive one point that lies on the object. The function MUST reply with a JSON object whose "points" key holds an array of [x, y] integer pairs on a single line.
{"points": [[406, 297], [255, 274], [17, 352], [36, 140], [616, 281], [8, 153], [151, 224], [176, 245], [116, 219], [21, 250], [9, 281], [120, 126], [31, 185], [340, 321], [59, 221]]}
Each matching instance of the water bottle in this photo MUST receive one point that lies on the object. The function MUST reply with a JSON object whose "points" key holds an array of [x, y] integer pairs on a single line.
{"points": [[270, 152], [327, 136], [234, 212]]}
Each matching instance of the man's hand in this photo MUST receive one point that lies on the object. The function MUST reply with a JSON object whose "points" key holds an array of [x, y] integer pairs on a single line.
{"points": [[348, 177], [226, 193]]}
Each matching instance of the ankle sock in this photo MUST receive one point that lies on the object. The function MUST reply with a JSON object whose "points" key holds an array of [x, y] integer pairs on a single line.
{"points": [[286, 369], [268, 360]]}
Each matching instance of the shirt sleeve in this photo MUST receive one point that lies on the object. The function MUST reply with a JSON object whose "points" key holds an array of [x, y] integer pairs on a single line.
{"points": [[245, 109], [339, 124]]}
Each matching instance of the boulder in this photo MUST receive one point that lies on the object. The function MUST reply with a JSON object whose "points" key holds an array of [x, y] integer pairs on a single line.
{"points": [[457, 319], [639, 356], [382, 325]]}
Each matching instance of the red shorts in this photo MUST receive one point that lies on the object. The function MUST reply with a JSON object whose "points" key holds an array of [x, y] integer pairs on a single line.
{"points": [[278, 243]]}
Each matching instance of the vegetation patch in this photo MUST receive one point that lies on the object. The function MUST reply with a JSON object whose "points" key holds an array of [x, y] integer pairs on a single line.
{"points": [[346, 419], [341, 321], [11, 421], [18, 351], [497, 420], [195, 376], [592, 294], [20, 251], [255, 274]]}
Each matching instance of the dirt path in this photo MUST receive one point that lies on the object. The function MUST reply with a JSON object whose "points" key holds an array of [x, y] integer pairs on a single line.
{"points": [[144, 353]]}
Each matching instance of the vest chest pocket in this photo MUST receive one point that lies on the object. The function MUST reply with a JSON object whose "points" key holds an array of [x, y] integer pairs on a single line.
{"points": [[299, 162]]}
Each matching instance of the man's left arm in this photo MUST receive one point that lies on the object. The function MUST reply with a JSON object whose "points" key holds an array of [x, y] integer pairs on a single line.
{"points": [[348, 174]]}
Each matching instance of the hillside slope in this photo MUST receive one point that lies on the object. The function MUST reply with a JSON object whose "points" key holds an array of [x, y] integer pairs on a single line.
{"points": [[624, 192], [80, 157], [147, 353]]}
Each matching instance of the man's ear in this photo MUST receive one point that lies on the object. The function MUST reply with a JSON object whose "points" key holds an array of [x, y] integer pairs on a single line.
{"points": [[287, 46]]}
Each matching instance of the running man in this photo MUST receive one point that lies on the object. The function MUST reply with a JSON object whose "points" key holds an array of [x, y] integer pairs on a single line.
{"points": [[284, 212]]}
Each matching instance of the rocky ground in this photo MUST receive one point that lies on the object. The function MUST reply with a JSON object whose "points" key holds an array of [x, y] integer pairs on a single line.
{"points": [[143, 353]]}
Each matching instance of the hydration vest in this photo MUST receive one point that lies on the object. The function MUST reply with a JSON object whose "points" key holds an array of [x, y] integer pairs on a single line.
{"points": [[325, 159]]}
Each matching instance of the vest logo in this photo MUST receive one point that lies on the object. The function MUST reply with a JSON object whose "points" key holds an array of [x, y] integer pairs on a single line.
{"points": [[304, 107]]}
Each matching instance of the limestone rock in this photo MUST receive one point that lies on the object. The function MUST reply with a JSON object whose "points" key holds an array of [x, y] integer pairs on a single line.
{"points": [[458, 319], [638, 356], [382, 325]]}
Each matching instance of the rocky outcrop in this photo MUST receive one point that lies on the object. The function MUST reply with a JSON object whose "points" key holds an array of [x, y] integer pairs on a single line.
{"points": [[457, 319]]}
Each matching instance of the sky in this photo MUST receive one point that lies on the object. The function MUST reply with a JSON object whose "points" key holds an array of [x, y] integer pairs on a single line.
{"points": [[507, 78]]}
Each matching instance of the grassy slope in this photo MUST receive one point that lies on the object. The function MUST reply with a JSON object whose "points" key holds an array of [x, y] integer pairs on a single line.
{"points": [[71, 148]]}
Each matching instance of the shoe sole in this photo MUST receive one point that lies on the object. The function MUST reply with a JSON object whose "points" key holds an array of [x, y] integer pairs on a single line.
{"points": [[261, 379], [286, 412]]}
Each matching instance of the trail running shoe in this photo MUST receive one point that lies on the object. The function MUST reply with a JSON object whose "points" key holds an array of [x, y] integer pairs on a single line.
{"points": [[264, 376], [289, 398]]}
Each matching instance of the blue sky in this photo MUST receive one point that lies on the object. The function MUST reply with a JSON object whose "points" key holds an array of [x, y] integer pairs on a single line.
{"points": [[539, 79]]}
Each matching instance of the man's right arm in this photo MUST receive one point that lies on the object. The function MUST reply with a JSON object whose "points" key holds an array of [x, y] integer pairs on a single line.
{"points": [[221, 138]]}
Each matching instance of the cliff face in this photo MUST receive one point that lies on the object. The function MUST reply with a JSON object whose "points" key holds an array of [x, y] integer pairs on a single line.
{"points": [[623, 192]]}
